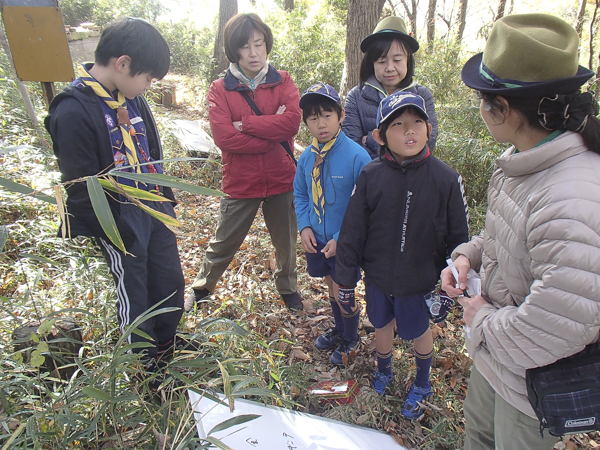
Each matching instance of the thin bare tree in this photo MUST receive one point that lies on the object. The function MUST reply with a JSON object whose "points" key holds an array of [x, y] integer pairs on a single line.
{"points": [[411, 12], [462, 20], [431, 24], [501, 8], [362, 18], [227, 9], [593, 29], [580, 17]]}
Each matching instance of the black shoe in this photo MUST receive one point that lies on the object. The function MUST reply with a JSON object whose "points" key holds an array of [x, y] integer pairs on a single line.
{"points": [[180, 344], [293, 301], [194, 297], [347, 348], [329, 340], [155, 373]]}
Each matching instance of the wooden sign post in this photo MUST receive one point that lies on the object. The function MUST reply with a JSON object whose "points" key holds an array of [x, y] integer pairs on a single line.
{"points": [[38, 42]]}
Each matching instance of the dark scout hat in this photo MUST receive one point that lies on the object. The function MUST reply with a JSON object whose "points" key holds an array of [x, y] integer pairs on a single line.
{"points": [[321, 89], [399, 101], [528, 55], [390, 26]]}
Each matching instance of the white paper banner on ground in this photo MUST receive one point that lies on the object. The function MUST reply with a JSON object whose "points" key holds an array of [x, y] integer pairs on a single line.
{"points": [[283, 429]]}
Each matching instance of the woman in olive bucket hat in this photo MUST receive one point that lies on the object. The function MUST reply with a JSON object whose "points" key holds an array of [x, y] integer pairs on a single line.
{"points": [[387, 66], [539, 255]]}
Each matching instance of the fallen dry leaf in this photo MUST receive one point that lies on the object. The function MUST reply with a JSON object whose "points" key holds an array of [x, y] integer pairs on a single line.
{"points": [[299, 354]]}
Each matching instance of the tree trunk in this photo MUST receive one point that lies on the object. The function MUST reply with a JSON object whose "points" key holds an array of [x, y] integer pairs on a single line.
{"points": [[227, 9], [288, 5], [593, 28], [412, 16], [431, 24], [462, 20], [362, 18], [580, 18], [501, 8]]}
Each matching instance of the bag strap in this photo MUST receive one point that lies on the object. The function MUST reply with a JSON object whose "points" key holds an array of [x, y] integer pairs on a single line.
{"points": [[258, 112]]}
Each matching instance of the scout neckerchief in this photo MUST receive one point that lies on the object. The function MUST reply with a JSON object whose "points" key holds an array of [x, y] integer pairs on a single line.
{"points": [[127, 129], [125, 125], [318, 193]]}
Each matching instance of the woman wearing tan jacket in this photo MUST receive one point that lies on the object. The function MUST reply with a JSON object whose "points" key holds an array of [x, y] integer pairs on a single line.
{"points": [[539, 255]]}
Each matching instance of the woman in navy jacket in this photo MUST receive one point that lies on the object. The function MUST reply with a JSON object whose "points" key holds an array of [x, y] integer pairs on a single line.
{"points": [[387, 67]]}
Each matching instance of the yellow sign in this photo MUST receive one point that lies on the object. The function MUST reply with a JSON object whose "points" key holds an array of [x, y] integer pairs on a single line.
{"points": [[38, 43]]}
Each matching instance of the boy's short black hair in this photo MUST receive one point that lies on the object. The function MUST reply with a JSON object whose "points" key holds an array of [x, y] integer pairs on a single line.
{"points": [[385, 125], [314, 104], [238, 30], [380, 48], [136, 38]]}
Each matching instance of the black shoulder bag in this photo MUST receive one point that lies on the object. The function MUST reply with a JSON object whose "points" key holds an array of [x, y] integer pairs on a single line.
{"points": [[258, 112], [565, 395]]}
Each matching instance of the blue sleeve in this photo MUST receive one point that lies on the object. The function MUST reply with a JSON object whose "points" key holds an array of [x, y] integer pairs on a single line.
{"points": [[430, 108], [353, 123], [302, 194]]}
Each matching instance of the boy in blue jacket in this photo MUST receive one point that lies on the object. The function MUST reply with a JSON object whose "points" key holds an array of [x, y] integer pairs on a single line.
{"points": [[325, 178]]}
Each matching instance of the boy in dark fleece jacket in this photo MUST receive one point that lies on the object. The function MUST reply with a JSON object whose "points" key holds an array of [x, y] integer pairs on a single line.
{"points": [[406, 215], [100, 122]]}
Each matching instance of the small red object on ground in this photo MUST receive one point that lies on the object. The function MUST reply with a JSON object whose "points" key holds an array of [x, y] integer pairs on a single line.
{"points": [[337, 392]]}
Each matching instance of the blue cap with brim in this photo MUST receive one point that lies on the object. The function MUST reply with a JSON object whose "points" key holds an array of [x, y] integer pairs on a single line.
{"points": [[399, 101], [323, 90]]}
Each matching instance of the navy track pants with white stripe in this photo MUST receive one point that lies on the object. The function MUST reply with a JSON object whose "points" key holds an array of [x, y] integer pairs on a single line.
{"points": [[151, 273]]}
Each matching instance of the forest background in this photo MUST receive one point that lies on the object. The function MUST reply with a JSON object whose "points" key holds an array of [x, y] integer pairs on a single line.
{"points": [[252, 346]]}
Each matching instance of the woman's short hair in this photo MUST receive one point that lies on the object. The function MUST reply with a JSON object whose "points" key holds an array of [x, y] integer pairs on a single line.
{"points": [[379, 49], [238, 30]]}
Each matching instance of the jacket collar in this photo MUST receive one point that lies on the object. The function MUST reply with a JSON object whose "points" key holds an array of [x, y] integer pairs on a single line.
{"points": [[541, 158], [231, 83], [375, 91], [409, 163]]}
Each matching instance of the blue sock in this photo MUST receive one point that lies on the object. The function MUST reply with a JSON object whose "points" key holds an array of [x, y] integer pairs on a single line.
{"points": [[384, 363], [423, 363], [351, 325], [338, 319]]}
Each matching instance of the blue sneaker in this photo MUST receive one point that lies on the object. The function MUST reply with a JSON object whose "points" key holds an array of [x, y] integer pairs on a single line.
{"points": [[347, 347], [381, 381], [329, 340], [412, 410]]}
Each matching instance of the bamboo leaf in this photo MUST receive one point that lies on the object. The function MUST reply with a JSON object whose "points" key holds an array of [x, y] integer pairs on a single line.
{"points": [[164, 218], [217, 443], [237, 420], [96, 393], [226, 382], [62, 212], [132, 191], [14, 436], [103, 212], [3, 236], [166, 180], [22, 189]]}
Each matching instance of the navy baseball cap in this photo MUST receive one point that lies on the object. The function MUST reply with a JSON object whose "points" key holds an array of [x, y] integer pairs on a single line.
{"points": [[399, 101], [321, 89]]}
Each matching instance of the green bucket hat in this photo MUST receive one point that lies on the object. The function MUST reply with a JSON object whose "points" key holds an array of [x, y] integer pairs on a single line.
{"points": [[390, 26], [528, 55]]}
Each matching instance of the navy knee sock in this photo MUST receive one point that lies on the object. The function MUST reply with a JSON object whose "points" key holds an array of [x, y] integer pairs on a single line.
{"points": [[384, 363], [423, 363], [351, 325], [338, 319]]}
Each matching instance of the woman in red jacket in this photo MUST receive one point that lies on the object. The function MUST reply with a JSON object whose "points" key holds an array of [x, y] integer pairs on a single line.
{"points": [[254, 116]]}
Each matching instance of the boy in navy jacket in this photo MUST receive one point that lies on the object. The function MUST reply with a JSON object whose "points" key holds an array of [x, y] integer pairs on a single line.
{"points": [[407, 214], [326, 174], [100, 122]]}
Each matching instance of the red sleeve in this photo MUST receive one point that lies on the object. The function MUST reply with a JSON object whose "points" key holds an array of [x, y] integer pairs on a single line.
{"points": [[278, 127], [225, 135]]}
